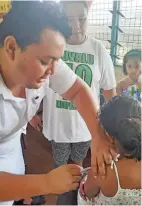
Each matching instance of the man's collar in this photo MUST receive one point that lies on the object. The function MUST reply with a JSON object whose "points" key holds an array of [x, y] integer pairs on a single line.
{"points": [[7, 94]]}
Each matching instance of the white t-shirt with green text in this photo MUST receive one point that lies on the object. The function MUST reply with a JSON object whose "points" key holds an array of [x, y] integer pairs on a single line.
{"points": [[91, 62]]}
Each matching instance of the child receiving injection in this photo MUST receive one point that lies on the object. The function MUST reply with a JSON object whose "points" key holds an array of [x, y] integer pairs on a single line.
{"points": [[121, 120]]}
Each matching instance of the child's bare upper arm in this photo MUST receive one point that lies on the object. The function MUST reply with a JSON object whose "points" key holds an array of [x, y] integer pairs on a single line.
{"points": [[93, 186], [90, 187]]}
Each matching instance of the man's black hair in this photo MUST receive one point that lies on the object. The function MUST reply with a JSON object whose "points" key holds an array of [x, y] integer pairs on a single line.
{"points": [[27, 19], [121, 118], [129, 55]]}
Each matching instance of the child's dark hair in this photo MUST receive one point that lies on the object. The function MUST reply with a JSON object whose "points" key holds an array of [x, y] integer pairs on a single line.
{"points": [[121, 118], [128, 55], [27, 19]]}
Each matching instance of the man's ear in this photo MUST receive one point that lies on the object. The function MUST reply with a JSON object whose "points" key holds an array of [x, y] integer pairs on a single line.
{"points": [[10, 46]]}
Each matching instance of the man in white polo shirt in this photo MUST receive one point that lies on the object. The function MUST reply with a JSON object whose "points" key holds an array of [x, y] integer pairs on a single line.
{"points": [[32, 40]]}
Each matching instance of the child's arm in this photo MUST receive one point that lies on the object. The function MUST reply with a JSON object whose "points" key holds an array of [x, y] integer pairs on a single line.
{"points": [[123, 84], [107, 186], [91, 189]]}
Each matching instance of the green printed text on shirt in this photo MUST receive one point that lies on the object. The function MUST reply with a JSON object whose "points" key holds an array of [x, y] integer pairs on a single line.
{"points": [[81, 64]]}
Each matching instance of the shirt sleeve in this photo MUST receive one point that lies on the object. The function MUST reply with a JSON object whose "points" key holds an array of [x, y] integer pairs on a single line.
{"points": [[107, 80], [63, 78]]}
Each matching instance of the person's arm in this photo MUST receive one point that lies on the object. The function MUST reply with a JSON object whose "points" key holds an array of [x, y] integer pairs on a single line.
{"points": [[81, 95], [123, 84], [107, 80], [15, 187], [90, 186], [72, 88], [109, 186]]}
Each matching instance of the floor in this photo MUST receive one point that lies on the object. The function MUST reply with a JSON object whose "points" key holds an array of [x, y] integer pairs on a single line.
{"points": [[38, 157]]}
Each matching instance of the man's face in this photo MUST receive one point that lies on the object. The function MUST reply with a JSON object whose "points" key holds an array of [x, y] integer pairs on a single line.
{"points": [[31, 66], [77, 15]]}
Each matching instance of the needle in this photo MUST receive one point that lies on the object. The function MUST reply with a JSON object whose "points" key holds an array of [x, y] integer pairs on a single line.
{"points": [[84, 170]]}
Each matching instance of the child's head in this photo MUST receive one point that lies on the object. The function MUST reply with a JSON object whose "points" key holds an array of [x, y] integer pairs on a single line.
{"points": [[121, 119], [132, 63], [77, 12]]}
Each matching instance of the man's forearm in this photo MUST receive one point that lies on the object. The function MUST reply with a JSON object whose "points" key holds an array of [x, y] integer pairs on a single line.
{"points": [[15, 187], [88, 107]]}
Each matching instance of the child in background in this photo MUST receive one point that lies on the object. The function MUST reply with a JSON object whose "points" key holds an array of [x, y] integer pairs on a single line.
{"points": [[131, 85], [121, 120]]}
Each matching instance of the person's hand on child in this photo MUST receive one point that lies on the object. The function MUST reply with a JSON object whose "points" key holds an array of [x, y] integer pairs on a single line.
{"points": [[102, 153]]}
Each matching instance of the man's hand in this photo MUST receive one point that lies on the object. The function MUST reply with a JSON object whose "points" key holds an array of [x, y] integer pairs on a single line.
{"points": [[103, 152], [64, 179], [36, 123], [58, 181]]}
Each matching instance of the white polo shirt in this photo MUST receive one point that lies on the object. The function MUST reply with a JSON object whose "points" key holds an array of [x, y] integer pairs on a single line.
{"points": [[15, 113]]}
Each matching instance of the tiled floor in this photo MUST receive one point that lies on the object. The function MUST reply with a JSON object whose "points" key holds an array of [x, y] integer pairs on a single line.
{"points": [[38, 157]]}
